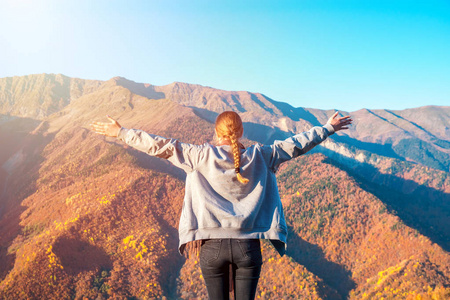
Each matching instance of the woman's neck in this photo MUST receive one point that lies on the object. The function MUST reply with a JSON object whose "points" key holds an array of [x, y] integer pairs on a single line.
{"points": [[224, 142], [228, 143]]}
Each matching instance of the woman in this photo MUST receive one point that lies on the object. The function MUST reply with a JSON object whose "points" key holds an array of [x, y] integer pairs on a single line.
{"points": [[231, 197]]}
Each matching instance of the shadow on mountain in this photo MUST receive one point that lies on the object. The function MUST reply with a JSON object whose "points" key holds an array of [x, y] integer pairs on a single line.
{"points": [[295, 113], [313, 258], [264, 134], [434, 139], [422, 208], [141, 89], [10, 229], [205, 114], [79, 256], [380, 149], [423, 152], [18, 181], [174, 261], [160, 165], [411, 148], [261, 104]]}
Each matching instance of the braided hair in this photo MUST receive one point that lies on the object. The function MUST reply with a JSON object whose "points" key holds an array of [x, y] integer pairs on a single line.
{"points": [[229, 127]]}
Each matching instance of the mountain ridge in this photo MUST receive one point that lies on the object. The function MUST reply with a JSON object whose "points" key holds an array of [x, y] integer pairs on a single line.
{"points": [[424, 128], [86, 216]]}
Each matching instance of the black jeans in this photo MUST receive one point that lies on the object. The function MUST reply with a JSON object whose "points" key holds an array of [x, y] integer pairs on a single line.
{"points": [[244, 257]]}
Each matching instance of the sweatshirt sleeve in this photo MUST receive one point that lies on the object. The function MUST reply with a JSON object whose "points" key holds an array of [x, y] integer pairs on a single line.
{"points": [[184, 156], [281, 151]]}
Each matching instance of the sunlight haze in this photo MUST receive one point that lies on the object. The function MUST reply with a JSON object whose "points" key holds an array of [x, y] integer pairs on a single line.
{"points": [[346, 55]]}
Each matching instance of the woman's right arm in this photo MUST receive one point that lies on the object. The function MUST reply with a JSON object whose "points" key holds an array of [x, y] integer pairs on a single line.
{"points": [[185, 156]]}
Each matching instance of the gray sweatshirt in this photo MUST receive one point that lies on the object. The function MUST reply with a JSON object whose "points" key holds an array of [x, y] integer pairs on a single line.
{"points": [[216, 204]]}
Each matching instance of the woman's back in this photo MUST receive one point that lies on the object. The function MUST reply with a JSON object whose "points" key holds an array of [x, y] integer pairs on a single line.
{"points": [[217, 205]]}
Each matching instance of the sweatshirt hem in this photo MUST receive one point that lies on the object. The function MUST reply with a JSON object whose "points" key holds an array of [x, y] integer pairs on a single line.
{"points": [[277, 236]]}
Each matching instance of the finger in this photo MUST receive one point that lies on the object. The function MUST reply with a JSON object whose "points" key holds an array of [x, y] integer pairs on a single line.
{"points": [[111, 119], [98, 126], [344, 127], [334, 115], [99, 131]]}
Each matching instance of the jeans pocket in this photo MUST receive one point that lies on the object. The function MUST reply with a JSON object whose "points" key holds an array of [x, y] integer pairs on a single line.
{"points": [[251, 250], [210, 250]]}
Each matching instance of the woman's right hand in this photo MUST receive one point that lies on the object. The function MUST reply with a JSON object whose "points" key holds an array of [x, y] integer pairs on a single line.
{"points": [[109, 129], [339, 123]]}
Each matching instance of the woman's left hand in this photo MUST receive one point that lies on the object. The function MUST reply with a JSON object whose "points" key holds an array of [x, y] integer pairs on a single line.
{"points": [[109, 129]]}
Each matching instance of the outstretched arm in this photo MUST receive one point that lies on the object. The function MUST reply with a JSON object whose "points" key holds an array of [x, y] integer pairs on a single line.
{"points": [[184, 156], [109, 129], [301, 143]]}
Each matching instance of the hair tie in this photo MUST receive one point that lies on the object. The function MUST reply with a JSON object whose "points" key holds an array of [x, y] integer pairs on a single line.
{"points": [[237, 170]]}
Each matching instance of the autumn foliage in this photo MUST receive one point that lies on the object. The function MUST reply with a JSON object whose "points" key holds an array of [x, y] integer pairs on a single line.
{"points": [[85, 217]]}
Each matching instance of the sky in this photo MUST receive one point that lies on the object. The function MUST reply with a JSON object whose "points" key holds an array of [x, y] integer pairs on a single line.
{"points": [[333, 54]]}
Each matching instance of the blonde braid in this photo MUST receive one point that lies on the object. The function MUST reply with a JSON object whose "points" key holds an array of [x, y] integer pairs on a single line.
{"points": [[237, 158]]}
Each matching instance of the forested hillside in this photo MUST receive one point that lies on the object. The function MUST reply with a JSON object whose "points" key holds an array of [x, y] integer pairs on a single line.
{"points": [[83, 216]]}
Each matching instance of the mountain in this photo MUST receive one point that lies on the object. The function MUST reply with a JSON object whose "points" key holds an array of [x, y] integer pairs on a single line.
{"points": [[38, 96], [420, 134], [83, 216]]}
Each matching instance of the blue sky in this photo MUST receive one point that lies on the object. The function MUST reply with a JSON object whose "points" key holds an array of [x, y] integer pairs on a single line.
{"points": [[338, 54]]}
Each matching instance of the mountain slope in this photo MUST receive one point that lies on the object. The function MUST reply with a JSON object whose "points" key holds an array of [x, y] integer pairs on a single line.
{"points": [[83, 215], [73, 207], [38, 96], [343, 233]]}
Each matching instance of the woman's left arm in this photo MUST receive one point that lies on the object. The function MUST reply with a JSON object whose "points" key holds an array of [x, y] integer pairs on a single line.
{"points": [[281, 151]]}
